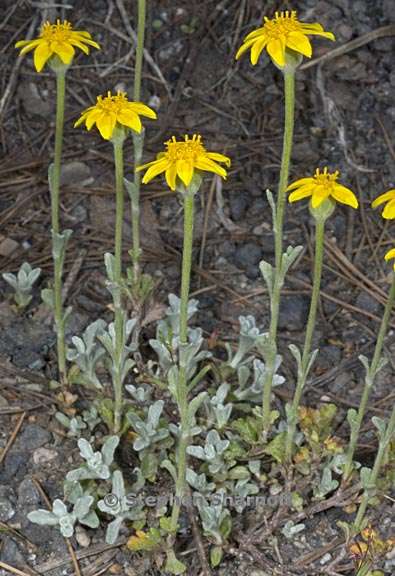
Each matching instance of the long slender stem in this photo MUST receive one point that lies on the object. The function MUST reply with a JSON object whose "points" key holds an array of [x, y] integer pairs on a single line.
{"points": [[383, 445], [139, 49], [182, 392], [369, 381], [303, 369], [119, 321], [289, 87], [55, 189], [138, 143]]}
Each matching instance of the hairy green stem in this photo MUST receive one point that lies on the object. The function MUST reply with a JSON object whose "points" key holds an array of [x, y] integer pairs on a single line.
{"points": [[138, 143], [270, 359], [303, 370], [383, 445], [369, 381], [119, 321], [182, 385], [55, 222]]}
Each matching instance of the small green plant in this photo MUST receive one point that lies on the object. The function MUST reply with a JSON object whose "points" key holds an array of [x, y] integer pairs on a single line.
{"points": [[23, 283]]}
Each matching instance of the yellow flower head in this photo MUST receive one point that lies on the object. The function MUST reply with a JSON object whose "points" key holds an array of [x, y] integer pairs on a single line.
{"points": [[181, 159], [110, 111], [57, 40], [390, 255], [389, 210], [280, 34], [321, 186]]}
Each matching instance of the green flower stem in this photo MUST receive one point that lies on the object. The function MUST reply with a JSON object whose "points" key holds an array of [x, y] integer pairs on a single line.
{"points": [[383, 445], [182, 388], [289, 85], [119, 328], [55, 188], [369, 381], [303, 369], [138, 144], [139, 49]]}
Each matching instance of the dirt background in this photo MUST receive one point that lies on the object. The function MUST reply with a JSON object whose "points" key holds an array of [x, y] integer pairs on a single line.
{"points": [[344, 119]]}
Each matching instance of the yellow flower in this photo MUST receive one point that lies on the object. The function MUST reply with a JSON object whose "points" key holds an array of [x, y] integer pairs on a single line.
{"points": [[57, 40], [390, 255], [181, 159], [110, 111], [278, 35], [320, 187], [389, 210]]}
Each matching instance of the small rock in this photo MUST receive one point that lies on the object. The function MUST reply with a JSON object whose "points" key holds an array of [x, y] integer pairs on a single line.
{"points": [[10, 553], [7, 503], [247, 257], [28, 494], [82, 537], [366, 302], [75, 173], [293, 313], [15, 464], [238, 204], [7, 246], [33, 437], [44, 455], [34, 101]]}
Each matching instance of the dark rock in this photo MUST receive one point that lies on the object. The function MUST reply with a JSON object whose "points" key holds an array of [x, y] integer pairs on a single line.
{"points": [[10, 553], [7, 503], [247, 258], [32, 437], [25, 342], [238, 204], [293, 313], [366, 302], [14, 465], [28, 495], [328, 357]]}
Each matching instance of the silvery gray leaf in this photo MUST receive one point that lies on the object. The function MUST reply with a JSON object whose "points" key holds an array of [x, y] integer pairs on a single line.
{"points": [[109, 448]]}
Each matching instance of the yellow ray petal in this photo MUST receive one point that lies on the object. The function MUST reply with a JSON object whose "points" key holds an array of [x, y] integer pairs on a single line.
{"points": [[41, 55], [303, 192], [300, 43], [130, 119], [219, 158], [390, 254], [254, 34], [64, 50], [79, 45], [185, 171], [157, 168], [317, 198], [106, 124], [244, 47], [171, 175], [344, 195], [28, 46], [91, 118], [301, 182], [276, 50], [390, 195], [143, 110], [256, 50], [389, 210], [210, 166]]}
